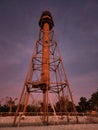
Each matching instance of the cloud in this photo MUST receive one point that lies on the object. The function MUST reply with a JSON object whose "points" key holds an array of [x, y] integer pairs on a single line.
{"points": [[76, 28]]}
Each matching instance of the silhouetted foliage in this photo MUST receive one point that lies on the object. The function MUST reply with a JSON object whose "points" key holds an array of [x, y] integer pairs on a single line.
{"points": [[63, 105], [10, 102], [94, 100], [70, 106], [85, 105]]}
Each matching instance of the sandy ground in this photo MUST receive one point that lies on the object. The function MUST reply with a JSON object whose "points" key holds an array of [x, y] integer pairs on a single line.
{"points": [[57, 127], [85, 124]]}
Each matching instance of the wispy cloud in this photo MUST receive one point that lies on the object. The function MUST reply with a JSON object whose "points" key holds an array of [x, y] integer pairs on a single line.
{"points": [[76, 28]]}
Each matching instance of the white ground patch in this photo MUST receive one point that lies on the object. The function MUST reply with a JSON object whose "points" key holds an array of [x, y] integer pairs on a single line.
{"points": [[57, 127]]}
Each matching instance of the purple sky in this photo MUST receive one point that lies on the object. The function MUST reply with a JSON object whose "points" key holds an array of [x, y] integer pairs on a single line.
{"points": [[76, 28]]}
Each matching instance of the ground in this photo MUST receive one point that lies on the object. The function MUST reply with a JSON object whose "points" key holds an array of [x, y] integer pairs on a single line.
{"points": [[57, 127], [85, 123]]}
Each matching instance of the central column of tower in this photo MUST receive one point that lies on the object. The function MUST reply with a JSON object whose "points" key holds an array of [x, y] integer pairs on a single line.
{"points": [[46, 24], [45, 55], [45, 70]]}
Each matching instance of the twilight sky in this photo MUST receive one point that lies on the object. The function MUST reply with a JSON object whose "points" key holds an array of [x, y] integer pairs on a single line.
{"points": [[76, 28]]}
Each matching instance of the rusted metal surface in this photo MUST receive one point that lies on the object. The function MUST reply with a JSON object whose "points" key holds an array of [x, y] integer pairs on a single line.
{"points": [[46, 75]]}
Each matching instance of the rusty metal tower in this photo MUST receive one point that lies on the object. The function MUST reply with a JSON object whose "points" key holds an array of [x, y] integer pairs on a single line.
{"points": [[46, 75]]}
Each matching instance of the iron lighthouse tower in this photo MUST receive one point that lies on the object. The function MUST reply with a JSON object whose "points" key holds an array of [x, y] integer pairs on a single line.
{"points": [[46, 81]]}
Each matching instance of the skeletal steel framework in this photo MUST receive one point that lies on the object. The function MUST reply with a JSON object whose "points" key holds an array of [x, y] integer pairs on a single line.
{"points": [[46, 75]]}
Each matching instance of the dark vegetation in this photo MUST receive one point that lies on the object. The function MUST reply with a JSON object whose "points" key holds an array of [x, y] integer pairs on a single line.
{"points": [[62, 105]]}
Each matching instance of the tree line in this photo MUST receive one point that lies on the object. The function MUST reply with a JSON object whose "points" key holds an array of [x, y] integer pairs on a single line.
{"points": [[91, 104], [63, 105]]}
